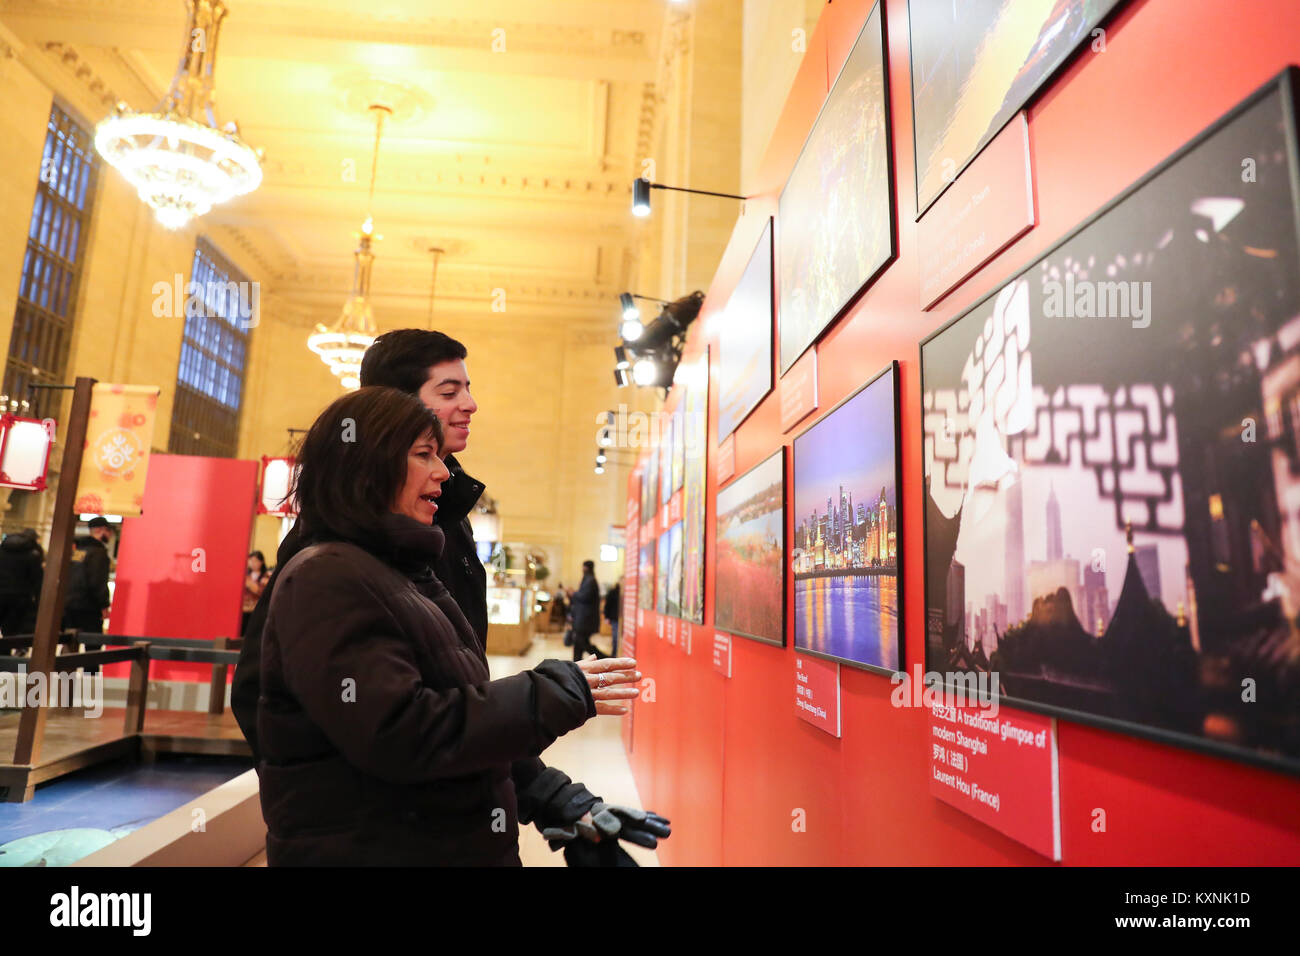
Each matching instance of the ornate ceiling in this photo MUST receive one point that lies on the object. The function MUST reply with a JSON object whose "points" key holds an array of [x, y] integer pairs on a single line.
{"points": [[519, 126]]}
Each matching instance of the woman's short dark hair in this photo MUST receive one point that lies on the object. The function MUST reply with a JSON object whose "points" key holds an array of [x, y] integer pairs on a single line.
{"points": [[261, 559], [353, 461], [402, 358]]}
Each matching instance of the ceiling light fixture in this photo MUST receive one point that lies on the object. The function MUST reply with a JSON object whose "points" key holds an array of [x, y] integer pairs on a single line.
{"points": [[180, 163], [342, 345]]}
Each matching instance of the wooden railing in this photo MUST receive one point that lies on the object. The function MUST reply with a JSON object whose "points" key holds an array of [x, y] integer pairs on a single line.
{"points": [[221, 652]]}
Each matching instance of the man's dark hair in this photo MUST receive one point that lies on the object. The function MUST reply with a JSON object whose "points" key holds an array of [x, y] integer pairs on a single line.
{"points": [[99, 521], [353, 462], [589, 566], [401, 359]]}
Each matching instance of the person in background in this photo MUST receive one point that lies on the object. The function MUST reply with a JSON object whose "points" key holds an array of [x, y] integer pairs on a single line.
{"points": [[255, 577], [586, 613], [86, 607], [21, 573], [613, 606], [87, 602]]}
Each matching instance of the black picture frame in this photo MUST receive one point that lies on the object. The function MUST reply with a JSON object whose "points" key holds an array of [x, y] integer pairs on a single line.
{"points": [[1055, 68], [892, 370], [784, 552], [861, 283], [696, 399], [1286, 85], [766, 238]]}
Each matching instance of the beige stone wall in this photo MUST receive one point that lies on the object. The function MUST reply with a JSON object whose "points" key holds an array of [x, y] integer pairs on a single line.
{"points": [[772, 53]]}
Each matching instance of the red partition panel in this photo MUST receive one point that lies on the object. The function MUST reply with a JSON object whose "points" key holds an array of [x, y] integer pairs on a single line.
{"points": [[1169, 69], [180, 565]]}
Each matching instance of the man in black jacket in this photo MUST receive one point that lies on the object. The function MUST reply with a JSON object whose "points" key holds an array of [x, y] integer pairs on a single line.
{"points": [[87, 596], [430, 365], [21, 574]]}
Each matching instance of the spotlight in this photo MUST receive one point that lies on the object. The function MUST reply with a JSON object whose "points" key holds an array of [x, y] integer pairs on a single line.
{"points": [[631, 330], [630, 311], [641, 197], [620, 357], [600, 470], [621, 377], [605, 440], [641, 194], [673, 321], [600, 458], [645, 371]]}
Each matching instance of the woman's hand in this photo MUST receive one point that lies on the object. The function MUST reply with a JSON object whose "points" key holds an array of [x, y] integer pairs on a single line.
{"points": [[611, 679]]}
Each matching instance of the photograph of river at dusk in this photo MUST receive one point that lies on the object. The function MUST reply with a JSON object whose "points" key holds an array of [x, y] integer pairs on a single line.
{"points": [[845, 552]]}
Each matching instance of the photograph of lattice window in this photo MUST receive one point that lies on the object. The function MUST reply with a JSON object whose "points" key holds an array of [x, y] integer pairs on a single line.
{"points": [[1105, 530], [47, 291], [214, 351]]}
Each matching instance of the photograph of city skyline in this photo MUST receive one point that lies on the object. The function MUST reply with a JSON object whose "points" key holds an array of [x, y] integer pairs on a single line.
{"points": [[1111, 444], [846, 537]]}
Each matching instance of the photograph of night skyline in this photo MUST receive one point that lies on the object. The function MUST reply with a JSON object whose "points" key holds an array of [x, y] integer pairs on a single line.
{"points": [[844, 554], [1112, 460]]}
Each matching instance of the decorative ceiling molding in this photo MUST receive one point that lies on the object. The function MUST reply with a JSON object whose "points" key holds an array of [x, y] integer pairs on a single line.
{"points": [[500, 36], [73, 63]]}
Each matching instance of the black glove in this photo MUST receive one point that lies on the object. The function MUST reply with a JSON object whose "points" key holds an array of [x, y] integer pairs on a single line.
{"points": [[641, 827], [609, 824]]}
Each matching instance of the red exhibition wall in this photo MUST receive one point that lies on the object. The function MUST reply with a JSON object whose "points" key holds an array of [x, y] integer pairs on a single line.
{"points": [[726, 759], [180, 566]]}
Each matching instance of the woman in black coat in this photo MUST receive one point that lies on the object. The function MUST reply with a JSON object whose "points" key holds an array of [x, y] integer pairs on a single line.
{"points": [[383, 741]]}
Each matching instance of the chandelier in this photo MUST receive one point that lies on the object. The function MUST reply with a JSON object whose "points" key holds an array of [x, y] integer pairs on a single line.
{"points": [[342, 345], [177, 159]]}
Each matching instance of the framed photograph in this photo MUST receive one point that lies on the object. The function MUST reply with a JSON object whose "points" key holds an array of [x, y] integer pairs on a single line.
{"points": [[975, 64], [666, 460], [679, 446], [645, 578], [1111, 446], [695, 442], [847, 550], [745, 340], [673, 604], [650, 488], [749, 583], [835, 229]]}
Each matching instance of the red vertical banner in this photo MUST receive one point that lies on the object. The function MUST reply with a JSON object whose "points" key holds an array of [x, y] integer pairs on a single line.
{"points": [[180, 568]]}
